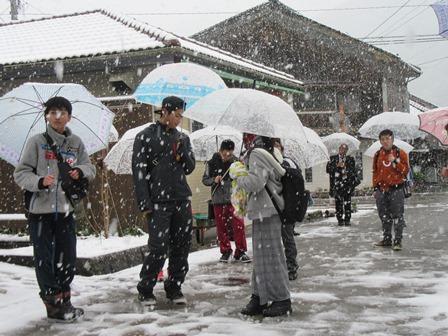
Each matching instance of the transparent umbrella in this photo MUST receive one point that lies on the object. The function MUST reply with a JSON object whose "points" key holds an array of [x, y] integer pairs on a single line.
{"points": [[22, 116], [307, 154], [333, 141], [377, 145], [119, 158], [248, 111], [185, 80], [206, 141], [404, 125]]}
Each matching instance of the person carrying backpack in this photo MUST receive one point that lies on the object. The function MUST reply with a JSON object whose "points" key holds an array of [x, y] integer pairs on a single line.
{"points": [[288, 228], [389, 170], [270, 275]]}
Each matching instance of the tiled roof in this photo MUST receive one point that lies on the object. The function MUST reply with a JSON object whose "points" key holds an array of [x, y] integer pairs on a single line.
{"points": [[101, 32]]}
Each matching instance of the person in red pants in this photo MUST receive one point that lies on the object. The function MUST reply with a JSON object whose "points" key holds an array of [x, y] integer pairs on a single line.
{"points": [[216, 175]]}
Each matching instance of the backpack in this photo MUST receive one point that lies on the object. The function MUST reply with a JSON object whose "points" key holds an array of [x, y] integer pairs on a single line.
{"points": [[408, 180], [295, 196]]}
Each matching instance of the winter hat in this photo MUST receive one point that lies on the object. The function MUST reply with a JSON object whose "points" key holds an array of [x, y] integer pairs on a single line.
{"points": [[58, 102], [227, 145], [171, 104]]}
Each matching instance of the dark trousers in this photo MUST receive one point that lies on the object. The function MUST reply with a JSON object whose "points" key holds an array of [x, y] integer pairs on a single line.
{"points": [[290, 247], [343, 207], [225, 220], [169, 226], [54, 247], [390, 205]]}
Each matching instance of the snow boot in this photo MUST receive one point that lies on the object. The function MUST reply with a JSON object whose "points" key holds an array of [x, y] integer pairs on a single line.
{"points": [[57, 311], [253, 307], [66, 302], [278, 308]]}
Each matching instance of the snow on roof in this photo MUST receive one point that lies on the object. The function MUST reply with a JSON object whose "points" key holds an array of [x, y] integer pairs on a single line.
{"points": [[101, 32]]}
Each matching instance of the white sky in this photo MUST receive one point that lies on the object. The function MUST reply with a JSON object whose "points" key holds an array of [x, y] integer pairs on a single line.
{"points": [[348, 16]]}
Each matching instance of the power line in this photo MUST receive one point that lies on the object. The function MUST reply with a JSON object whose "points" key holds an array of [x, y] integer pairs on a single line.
{"points": [[387, 19], [434, 60]]}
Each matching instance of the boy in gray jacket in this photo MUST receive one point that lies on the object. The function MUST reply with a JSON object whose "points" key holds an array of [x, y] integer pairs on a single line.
{"points": [[51, 221]]}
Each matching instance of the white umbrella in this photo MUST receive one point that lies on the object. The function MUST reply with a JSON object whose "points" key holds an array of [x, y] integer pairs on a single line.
{"points": [[333, 141], [185, 80], [22, 116], [307, 154], [206, 141], [119, 158], [377, 145], [113, 134], [248, 111], [404, 125]]}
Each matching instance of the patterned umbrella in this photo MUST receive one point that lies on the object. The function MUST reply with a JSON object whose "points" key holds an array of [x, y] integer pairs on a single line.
{"points": [[185, 80], [441, 10], [22, 116], [435, 122]]}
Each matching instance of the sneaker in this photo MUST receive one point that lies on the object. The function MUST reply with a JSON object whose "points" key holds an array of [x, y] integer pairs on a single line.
{"points": [[160, 276], [147, 299], [253, 307], [243, 257], [397, 245], [225, 256], [384, 243]]}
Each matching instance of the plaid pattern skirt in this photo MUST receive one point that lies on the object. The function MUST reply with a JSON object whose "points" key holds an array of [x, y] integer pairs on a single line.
{"points": [[270, 274]]}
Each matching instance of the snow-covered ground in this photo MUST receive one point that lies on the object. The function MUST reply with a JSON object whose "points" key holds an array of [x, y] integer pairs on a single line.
{"points": [[345, 287]]}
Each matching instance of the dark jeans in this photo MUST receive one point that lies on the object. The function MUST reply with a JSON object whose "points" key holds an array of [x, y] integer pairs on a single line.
{"points": [[290, 247], [54, 246], [169, 226], [390, 206], [343, 207]]}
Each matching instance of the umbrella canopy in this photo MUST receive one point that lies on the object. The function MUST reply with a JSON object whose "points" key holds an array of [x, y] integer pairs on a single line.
{"points": [[333, 141], [441, 10], [248, 111], [22, 116], [375, 147], [435, 122], [307, 154], [206, 141], [185, 80], [403, 124], [119, 158]]}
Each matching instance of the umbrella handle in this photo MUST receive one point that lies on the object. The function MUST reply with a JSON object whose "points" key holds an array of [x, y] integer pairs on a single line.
{"points": [[214, 190]]}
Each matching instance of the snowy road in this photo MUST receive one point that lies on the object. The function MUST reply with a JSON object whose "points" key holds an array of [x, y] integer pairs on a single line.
{"points": [[345, 287]]}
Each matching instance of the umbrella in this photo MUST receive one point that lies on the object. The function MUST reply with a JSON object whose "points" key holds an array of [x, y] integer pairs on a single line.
{"points": [[441, 10], [375, 147], [185, 80], [248, 111], [119, 158], [206, 141], [333, 141], [403, 124], [22, 116], [435, 122], [113, 135], [307, 154]]}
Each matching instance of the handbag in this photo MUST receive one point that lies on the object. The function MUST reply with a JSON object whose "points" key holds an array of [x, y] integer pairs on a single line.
{"points": [[74, 189]]}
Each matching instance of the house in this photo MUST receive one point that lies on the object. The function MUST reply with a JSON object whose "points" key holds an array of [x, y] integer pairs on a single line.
{"points": [[342, 75], [110, 54]]}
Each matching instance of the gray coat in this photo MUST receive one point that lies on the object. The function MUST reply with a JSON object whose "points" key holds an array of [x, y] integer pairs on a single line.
{"points": [[263, 170], [38, 160]]}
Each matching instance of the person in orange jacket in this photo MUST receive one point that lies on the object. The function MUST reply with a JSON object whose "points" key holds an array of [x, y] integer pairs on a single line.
{"points": [[389, 170]]}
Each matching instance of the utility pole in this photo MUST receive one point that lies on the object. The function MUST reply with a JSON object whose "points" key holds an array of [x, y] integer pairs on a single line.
{"points": [[15, 5]]}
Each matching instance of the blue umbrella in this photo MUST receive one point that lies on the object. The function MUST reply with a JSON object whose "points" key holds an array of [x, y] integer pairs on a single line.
{"points": [[441, 10], [185, 80]]}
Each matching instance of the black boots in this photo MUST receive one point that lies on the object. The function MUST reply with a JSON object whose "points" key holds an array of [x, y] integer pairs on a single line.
{"points": [[276, 308], [253, 307], [60, 308]]}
